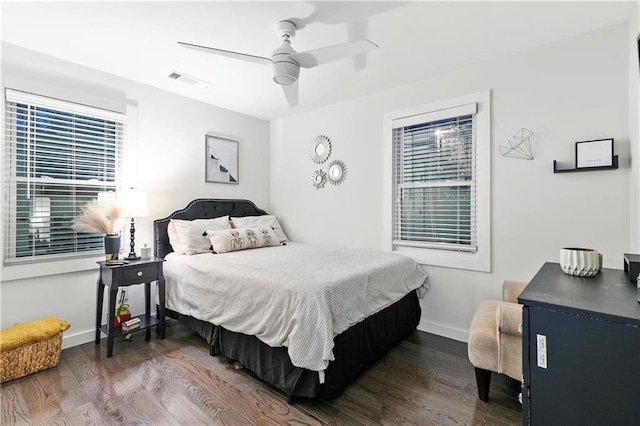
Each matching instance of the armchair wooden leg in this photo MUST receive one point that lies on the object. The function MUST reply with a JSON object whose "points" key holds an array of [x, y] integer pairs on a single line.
{"points": [[483, 379]]}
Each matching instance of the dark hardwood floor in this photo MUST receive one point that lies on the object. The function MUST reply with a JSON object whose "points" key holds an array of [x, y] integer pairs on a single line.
{"points": [[425, 380]]}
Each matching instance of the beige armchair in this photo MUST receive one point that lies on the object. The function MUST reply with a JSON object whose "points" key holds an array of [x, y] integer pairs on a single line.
{"points": [[495, 338]]}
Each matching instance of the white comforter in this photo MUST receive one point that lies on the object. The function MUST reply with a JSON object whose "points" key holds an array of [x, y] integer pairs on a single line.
{"points": [[297, 296]]}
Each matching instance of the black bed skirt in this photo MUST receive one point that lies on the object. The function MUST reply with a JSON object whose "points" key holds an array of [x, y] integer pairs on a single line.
{"points": [[355, 350]]}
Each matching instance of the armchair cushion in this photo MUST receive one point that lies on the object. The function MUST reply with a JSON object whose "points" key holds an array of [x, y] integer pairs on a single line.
{"points": [[483, 344], [495, 339], [509, 318], [511, 290]]}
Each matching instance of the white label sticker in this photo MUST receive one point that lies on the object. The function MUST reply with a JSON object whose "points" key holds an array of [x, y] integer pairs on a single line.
{"points": [[542, 350]]}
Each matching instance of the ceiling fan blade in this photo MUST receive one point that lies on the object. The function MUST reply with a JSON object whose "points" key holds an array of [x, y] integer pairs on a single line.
{"points": [[227, 53], [291, 92], [312, 58]]}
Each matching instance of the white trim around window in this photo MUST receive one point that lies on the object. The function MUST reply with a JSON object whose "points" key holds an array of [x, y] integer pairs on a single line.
{"points": [[478, 257], [58, 156]]}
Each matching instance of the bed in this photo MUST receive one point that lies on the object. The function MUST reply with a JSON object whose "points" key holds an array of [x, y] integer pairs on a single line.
{"points": [[322, 336]]}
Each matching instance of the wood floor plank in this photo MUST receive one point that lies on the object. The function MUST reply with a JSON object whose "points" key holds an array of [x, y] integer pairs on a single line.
{"points": [[154, 379], [264, 395], [146, 409], [409, 395], [82, 366], [118, 382], [186, 412], [220, 395], [207, 400], [65, 386], [326, 413], [361, 404], [41, 401], [104, 399], [257, 407], [85, 414], [424, 380], [14, 409], [222, 367]]}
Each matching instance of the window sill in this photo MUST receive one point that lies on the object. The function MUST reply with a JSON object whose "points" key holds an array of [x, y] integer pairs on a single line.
{"points": [[447, 259], [19, 271]]}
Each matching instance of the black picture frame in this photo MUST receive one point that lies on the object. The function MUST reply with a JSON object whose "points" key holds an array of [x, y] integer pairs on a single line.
{"points": [[594, 153], [221, 160]]}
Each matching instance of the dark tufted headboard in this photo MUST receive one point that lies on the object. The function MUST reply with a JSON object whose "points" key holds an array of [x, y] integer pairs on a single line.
{"points": [[202, 208]]}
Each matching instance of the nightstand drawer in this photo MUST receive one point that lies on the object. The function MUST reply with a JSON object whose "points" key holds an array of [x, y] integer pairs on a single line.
{"points": [[139, 274]]}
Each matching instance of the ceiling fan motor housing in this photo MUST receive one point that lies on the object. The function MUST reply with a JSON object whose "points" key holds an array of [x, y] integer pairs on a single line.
{"points": [[285, 70]]}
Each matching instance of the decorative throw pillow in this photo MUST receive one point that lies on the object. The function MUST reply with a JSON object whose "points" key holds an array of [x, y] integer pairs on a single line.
{"points": [[242, 239], [174, 240], [266, 220], [191, 233]]}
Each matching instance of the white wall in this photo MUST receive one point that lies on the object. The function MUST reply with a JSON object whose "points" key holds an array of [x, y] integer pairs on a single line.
{"points": [[634, 131], [569, 91], [166, 151]]}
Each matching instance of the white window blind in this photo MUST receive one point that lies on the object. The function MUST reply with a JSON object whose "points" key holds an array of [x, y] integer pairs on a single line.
{"points": [[434, 172], [58, 156]]}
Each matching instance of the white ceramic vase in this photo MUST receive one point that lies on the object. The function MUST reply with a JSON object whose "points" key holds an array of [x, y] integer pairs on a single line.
{"points": [[580, 262]]}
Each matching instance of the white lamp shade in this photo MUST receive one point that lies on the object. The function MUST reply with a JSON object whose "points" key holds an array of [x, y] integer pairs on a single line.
{"points": [[133, 203]]}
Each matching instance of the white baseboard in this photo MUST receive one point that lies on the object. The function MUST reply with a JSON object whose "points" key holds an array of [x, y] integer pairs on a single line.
{"points": [[444, 330], [71, 340]]}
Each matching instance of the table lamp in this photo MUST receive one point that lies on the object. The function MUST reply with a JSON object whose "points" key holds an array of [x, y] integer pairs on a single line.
{"points": [[133, 204]]}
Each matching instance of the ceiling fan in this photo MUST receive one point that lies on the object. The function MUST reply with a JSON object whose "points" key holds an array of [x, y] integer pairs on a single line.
{"points": [[286, 62]]}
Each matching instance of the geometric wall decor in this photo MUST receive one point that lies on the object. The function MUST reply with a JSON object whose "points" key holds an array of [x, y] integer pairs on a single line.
{"points": [[520, 147]]}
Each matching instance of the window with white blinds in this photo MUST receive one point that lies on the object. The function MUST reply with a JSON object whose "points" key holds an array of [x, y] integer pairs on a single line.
{"points": [[58, 156], [434, 172]]}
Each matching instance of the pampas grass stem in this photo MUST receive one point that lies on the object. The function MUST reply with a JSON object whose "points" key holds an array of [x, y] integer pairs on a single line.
{"points": [[93, 219]]}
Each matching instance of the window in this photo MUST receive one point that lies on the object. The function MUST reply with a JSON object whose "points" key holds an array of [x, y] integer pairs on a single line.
{"points": [[440, 188], [59, 156]]}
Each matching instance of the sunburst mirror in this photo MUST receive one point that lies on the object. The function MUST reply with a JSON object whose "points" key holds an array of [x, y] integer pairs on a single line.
{"points": [[320, 149], [337, 172], [319, 178]]}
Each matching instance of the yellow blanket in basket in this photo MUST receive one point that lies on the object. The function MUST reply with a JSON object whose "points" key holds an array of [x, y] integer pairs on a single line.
{"points": [[23, 334]]}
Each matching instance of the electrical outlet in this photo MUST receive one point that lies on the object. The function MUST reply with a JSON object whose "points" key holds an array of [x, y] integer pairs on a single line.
{"points": [[542, 350]]}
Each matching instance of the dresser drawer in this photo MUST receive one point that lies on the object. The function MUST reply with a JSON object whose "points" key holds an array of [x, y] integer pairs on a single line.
{"points": [[140, 274]]}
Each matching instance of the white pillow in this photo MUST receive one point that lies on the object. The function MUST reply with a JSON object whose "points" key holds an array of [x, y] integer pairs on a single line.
{"points": [[241, 239], [191, 233], [266, 220], [174, 240]]}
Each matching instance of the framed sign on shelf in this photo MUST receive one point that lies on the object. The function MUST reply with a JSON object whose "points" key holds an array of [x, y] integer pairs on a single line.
{"points": [[596, 153], [221, 160]]}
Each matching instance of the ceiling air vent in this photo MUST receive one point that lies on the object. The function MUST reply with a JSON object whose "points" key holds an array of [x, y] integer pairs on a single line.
{"points": [[187, 79]]}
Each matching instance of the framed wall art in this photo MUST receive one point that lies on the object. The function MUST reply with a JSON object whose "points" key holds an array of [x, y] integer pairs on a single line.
{"points": [[221, 160], [597, 153]]}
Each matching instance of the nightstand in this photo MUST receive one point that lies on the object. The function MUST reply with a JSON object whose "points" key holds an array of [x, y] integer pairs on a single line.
{"points": [[133, 272]]}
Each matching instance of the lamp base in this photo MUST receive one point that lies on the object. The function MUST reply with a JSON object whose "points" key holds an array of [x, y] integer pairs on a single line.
{"points": [[132, 252]]}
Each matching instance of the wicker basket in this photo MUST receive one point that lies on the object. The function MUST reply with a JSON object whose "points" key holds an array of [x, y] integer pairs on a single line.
{"points": [[28, 359]]}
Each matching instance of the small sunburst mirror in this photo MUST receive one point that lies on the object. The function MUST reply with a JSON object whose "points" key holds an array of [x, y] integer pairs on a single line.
{"points": [[320, 149], [318, 179], [337, 172]]}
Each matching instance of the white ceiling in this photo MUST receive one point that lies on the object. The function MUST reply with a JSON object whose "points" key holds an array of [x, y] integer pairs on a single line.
{"points": [[137, 40]]}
